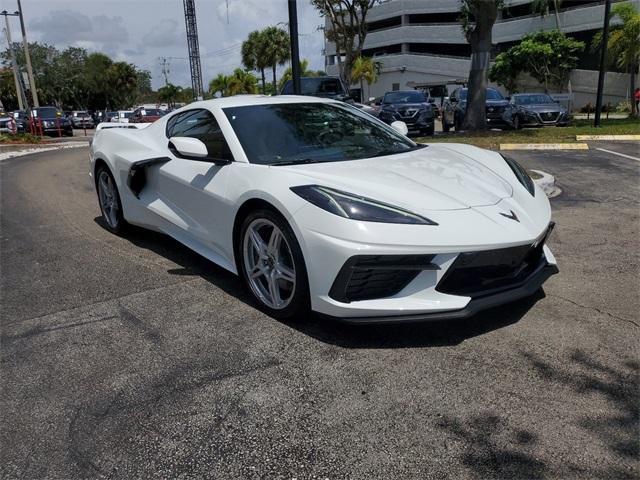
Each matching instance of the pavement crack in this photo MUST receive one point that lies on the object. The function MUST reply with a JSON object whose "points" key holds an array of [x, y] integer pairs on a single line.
{"points": [[588, 307]]}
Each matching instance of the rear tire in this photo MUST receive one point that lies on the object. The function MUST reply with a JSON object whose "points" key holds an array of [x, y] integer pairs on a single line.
{"points": [[109, 201], [272, 266]]}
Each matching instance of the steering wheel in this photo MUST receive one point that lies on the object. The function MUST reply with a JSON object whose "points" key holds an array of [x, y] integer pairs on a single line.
{"points": [[330, 136]]}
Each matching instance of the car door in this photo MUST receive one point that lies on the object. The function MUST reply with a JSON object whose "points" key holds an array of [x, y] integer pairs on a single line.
{"points": [[195, 189]]}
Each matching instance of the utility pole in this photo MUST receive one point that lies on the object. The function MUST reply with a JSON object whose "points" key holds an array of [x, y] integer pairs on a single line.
{"points": [[165, 69], [603, 58], [25, 45], [194, 48], [295, 51], [14, 63]]}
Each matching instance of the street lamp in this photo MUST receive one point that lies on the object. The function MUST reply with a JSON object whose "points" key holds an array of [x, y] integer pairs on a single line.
{"points": [[295, 51]]}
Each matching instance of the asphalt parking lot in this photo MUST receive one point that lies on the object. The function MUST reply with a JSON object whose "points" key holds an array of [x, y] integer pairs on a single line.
{"points": [[131, 357]]}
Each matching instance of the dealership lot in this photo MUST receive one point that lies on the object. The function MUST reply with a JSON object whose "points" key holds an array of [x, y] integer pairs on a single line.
{"points": [[131, 356]]}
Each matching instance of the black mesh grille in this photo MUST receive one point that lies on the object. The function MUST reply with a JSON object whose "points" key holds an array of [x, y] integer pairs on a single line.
{"points": [[365, 277], [477, 274]]}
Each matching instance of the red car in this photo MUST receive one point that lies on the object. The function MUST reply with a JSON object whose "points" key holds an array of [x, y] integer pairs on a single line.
{"points": [[146, 115]]}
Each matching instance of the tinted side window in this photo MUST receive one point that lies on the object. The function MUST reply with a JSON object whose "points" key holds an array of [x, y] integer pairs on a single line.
{"points": [[288, 88], [200, 124]]}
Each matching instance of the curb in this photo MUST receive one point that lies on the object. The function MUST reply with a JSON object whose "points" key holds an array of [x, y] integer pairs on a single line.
{"points": [[607, 137], [28, 151], [547, 183], [544, 146]]}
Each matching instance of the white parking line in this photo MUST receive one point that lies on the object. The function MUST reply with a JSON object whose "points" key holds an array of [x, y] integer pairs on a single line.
{"points": [[619, 154]]}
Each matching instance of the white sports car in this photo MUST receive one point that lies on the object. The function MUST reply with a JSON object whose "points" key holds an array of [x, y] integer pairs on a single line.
{"points": [[319, 205]]}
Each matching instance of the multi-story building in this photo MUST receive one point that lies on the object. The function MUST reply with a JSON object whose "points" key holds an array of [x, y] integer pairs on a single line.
{"points": [[420, 44]]}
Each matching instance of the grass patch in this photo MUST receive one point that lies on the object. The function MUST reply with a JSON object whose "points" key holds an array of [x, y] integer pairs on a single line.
{"points": [[19, 139], [493, 138]]}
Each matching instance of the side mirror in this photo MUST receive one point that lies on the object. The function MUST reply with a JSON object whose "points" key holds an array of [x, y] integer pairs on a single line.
{"points": [[508, 99], [187, 147], [453, 99], [193, 149], [432, 100], [400, 127]]}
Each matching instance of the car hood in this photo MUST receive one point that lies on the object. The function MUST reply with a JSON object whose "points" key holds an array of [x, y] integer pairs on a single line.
{"points": [[430, 179], [404, 106]]}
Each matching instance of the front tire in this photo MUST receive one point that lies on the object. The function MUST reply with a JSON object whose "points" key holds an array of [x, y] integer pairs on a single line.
{"points": [[109, 200], [272, 265], [516, 123]]}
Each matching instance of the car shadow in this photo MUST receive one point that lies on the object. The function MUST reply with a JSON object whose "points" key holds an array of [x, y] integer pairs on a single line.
{"points": [[334, 332]]}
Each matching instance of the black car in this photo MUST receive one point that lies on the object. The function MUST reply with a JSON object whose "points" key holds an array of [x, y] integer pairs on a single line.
{"points": [[455, 107], [323, 87], [536, 110], [411, 107], [53, 121]]}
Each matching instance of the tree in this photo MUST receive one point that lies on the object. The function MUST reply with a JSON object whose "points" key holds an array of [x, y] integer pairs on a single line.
{"points": [[169, 94], [549, 57], [242, 82], [478, 18], [304, 72], [542, 7], [348, 29], [505, 71], [364, 68], [276, 49], [624, 43], [253, 54], [220, 84]]}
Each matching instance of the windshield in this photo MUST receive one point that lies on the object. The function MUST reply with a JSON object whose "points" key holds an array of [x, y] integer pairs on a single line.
{"points": [[532, 99], [320, 86], [279, 134], [405, 97], [81, 114], [151, 112], [491, 94], [46, 112]]}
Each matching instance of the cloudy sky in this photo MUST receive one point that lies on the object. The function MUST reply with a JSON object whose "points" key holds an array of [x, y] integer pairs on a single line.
{"points": [[142, 31]]}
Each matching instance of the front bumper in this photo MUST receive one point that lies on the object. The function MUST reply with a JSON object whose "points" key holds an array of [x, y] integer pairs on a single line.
{"points": [[419, 297], [476, 305]]}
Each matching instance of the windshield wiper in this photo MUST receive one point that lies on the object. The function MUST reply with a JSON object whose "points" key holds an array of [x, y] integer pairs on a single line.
{"points": [[300, 161]]}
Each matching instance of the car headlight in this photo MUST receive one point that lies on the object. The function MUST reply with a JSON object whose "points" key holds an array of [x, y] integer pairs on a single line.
{"points": [[521, 174], [355, 207]]}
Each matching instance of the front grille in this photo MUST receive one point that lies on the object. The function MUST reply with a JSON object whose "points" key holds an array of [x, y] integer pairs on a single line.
{"points": [[477, 274], [549, 116], [365, 277]]}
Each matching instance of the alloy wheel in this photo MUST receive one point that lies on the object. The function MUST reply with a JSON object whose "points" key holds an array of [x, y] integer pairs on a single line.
{"points": [[108, 196], [269, 265]]}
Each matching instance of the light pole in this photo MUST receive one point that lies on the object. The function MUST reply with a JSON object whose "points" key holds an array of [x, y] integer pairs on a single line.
{"points": [[295, 51], [603, 58], [25, 45], [14, 63]]}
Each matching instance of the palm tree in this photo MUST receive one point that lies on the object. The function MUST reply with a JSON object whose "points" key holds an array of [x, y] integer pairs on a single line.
{"points": [[364, 68], [276, 49], [219, 84], [253, 57], [543, 6], [242, 82], [169, 94], [624, 43]]}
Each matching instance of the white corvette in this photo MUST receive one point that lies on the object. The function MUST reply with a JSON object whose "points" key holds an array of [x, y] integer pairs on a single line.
{"points": [[319, 205]]}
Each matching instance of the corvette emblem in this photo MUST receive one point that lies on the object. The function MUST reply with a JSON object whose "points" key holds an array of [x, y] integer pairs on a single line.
{"points": [[513, 216]]}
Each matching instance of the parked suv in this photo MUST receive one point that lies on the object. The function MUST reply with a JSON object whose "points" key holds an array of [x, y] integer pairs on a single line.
{"points": [[455, 107], [324, 87], [53, 121], [409, 106], [81, 119]]}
